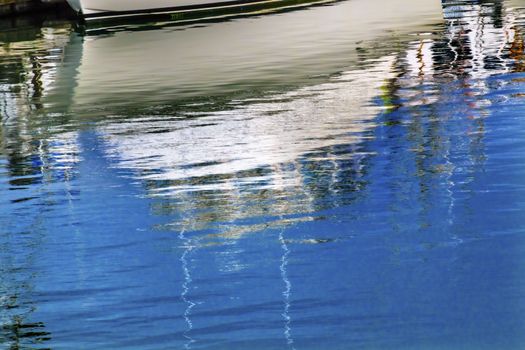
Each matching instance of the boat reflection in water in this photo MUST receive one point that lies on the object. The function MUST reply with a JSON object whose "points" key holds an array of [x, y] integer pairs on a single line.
{"points": [[267, 182], [257, 137], [231, 56]]}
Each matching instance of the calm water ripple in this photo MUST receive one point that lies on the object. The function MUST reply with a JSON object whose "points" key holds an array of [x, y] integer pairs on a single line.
{"points": [[346, 176]]}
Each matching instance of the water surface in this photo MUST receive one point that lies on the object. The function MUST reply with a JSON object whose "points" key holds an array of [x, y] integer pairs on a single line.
{"points": [[336, 177]]}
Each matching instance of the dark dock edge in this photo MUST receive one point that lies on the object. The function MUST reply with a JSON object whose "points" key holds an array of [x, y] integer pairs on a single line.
{"points": [[13, 8]]}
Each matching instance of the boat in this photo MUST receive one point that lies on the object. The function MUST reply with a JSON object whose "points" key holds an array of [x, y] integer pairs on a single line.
{"points": [[176, 10]]}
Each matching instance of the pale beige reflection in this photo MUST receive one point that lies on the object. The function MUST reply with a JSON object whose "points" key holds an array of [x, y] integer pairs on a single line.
{"points": [[155, 66], [206, 163], [278, 130]]}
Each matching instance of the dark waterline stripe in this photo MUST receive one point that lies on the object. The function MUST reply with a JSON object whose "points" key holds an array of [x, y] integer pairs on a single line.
{"points": [[191, 14], [164, 10]]}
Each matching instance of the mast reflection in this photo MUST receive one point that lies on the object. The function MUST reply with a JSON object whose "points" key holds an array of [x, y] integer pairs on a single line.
{"points": [[287, 291], [187, 247]]}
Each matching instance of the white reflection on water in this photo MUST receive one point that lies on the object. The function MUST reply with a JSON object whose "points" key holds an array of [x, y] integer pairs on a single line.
{"points": [[277, 131]]}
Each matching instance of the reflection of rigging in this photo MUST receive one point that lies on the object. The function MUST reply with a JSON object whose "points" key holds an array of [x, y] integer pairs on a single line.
{"points": [[287, 290], [479, 36], [187, 247], [479, 41]]}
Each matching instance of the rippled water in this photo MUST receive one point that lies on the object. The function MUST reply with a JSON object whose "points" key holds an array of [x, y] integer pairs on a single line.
{"points": [[346, 176]]}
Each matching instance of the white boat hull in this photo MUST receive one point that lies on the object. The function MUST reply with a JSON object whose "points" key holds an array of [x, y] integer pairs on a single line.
{"points": [[93, 8]]}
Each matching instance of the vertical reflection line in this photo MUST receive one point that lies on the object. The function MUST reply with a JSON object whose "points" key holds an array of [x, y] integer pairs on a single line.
{"points": [[451, 35], [507, 28], [420, 59], [5, 114], [479, 37], [186, 288], [287, 291], [450, 184]]}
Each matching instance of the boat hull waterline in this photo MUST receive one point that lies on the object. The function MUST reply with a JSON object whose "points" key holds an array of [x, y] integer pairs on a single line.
{"points": [[97, 10]]}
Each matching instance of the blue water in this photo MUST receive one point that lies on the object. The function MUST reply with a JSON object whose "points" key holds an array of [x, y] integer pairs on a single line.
{"points": [[373, 198]]}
